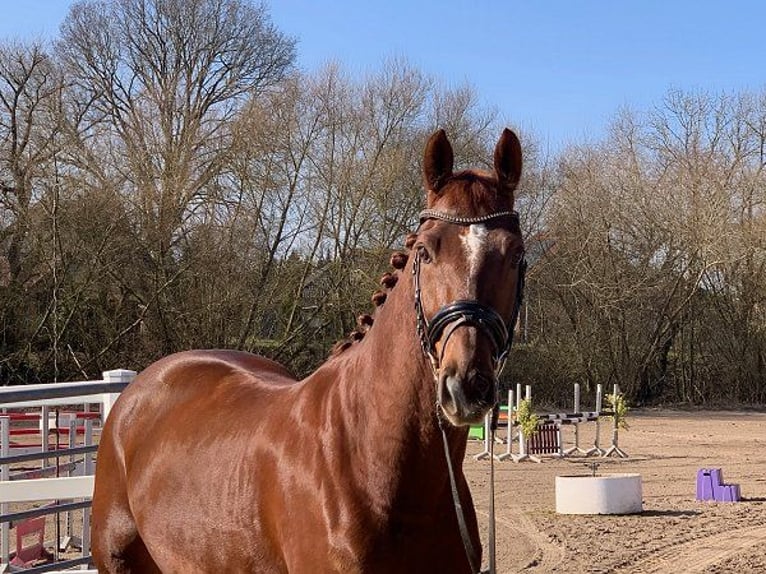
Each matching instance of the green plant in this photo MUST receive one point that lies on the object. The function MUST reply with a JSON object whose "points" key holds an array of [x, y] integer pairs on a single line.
{"points": [[619, 409], [526, 418]]}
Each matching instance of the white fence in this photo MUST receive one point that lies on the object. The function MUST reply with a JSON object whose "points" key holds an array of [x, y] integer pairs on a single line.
{"points": [[77, 486]]}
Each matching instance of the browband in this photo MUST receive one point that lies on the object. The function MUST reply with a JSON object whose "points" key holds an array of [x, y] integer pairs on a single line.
{"points": [[434, 214]]}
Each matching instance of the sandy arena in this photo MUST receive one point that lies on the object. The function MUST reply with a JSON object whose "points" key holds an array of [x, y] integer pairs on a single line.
{"points": [[675, 534]]}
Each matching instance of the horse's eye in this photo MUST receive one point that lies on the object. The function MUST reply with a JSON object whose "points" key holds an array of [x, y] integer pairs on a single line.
{"points": [[518, 256], [424, 254]]}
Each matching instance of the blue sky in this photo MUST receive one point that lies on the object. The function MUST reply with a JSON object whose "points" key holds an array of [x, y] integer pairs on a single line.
{"points": [[559, 68]]}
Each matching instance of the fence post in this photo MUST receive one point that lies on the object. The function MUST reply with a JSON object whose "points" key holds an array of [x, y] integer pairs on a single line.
{"points": [[5, 532], [69, 517], [108, 399], [88, 469], [45, 427]]}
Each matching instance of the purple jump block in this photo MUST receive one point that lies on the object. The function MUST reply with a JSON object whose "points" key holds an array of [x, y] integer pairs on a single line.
{"points": [[705, 483], [728, 493], [710, 486]]}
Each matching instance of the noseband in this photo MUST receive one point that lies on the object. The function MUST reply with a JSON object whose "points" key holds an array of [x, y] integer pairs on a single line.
{"points": [[466, 312]]}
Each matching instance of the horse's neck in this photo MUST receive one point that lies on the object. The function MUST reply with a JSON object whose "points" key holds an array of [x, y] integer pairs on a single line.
{"points": [[388, 389], [391, 362]]}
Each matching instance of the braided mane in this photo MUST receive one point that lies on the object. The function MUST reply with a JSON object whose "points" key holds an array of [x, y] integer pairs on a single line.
{"points": [[388, 281]]}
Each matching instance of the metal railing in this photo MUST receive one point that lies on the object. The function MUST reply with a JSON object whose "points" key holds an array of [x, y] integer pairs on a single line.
{"points": [[77, 490]]}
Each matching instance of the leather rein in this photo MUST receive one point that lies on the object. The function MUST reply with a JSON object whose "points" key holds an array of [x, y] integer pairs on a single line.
{"points": [[473, 313]]}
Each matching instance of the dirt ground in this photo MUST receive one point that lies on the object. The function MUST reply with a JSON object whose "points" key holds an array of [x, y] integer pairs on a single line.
{"points": [[674, 534]]}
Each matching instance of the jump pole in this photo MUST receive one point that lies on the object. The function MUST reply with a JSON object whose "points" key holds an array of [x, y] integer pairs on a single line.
{"points": [[487, 438], [488, 434], [596, 448], [509, 442], [577, 448]]}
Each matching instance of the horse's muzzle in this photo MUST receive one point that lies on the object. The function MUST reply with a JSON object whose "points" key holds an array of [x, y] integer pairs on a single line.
{"points": [[466, 398]]}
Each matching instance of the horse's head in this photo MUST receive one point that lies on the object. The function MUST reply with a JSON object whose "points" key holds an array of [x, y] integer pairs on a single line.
{"points": [[468, 273]]}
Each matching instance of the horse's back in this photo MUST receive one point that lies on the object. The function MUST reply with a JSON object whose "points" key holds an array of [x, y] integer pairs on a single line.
{"points": [[180, 394], [191, 370], [182, 377], [171, 423]]}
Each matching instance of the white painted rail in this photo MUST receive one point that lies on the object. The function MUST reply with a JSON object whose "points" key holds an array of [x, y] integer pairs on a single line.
{"points": [[46, 489]]}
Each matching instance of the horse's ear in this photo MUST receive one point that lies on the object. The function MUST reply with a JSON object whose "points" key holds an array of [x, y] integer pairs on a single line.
{"points": [[438, 161], [508, 159]]}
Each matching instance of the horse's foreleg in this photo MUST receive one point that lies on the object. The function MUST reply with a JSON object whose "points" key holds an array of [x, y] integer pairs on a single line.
{"points": [[117, 545]]}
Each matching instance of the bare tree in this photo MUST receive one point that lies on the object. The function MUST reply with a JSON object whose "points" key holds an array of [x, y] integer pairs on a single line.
{"points": [[162, 82], [29, 100], [30, 95], [653, 230]]}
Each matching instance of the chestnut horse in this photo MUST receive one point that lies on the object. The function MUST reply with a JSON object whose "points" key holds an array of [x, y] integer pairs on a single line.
{"points": [[221, 462]]}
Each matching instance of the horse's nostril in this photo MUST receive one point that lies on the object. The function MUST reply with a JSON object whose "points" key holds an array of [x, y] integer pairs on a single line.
{"points": [[483, 383]]}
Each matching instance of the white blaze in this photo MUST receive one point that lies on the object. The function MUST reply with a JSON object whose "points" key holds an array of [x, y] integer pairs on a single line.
{"points": [[473, 242]]}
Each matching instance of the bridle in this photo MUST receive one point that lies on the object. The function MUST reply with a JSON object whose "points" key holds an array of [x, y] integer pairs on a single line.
{"points": [[471, 313], [466, 312]]}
